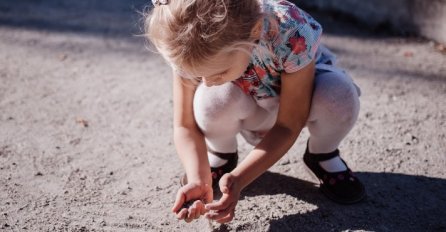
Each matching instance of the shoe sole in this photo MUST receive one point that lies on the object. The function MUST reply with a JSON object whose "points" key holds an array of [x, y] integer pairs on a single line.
{"points": [[329, 195], [343, 202]]}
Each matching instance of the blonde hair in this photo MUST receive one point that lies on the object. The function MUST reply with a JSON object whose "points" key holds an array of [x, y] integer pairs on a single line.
{"points": [[190, 32]]}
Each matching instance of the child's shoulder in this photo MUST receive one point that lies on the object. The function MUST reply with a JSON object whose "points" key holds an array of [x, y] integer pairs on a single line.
{"points": [[291, 34], [288, 14], [284, 20]]}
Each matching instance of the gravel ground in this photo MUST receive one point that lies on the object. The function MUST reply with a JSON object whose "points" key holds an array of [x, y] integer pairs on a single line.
{"points": [[86, 130]]}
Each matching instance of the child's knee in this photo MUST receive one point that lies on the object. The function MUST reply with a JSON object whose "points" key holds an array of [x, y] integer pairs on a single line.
{"points": [[220, 103], [336, 95]]}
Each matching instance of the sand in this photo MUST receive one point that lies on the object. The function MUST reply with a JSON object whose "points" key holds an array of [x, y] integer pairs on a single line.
{"points": [[86, 130]]}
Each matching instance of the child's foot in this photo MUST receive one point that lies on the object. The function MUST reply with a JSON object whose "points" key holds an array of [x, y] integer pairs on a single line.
{"points": [[229, 163], [341, 186]]}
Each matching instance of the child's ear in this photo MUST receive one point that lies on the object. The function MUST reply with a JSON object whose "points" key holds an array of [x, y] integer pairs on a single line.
{"points": [[256, 31]]}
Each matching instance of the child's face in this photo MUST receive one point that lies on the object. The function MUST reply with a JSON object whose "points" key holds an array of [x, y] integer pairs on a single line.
{"points": [[223, 68]]}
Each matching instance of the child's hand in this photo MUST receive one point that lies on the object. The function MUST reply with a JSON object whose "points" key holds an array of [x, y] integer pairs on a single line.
{"points": [[190, 200], [223, 210]]}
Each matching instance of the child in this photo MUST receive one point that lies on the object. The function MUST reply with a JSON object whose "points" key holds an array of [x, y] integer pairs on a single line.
{"points": [[254, 67]]}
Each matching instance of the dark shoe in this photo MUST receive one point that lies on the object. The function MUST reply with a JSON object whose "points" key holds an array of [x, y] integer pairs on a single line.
{"points": [[217, 173], [341, 187]]}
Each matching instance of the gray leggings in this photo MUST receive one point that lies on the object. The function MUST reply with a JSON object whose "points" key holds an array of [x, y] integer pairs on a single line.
{"points": [[223, 111]]}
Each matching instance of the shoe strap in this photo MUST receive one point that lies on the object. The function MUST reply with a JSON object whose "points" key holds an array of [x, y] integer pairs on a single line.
{"points": [[225, 156], [322, 156], [227, 167]]}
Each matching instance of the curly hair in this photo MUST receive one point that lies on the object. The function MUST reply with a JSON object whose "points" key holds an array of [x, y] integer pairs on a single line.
{"points": [[188, 32]]}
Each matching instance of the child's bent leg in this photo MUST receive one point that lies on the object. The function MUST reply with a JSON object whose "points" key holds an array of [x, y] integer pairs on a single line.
{"points": [[222, 112], [219, 111], [256, 125], [334, 110]]}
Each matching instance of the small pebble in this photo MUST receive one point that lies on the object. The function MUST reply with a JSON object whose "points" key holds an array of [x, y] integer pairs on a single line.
{"points": [[285, 162], [62, 57], [82, 122]]}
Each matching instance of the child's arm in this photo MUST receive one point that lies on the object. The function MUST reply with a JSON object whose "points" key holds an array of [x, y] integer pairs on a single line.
{"points": [[295, 101], [189, 141], [294, 109], [191, 149]]}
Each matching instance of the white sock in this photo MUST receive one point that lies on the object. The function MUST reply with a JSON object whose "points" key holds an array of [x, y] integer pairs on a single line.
{"points": [[333, 165], [216, 161]]}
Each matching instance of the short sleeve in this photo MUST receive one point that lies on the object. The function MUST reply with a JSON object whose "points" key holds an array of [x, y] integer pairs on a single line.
{"points": [[300, 39]]}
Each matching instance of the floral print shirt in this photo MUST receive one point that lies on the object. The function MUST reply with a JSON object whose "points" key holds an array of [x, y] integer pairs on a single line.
{"points": [[290, 40]]}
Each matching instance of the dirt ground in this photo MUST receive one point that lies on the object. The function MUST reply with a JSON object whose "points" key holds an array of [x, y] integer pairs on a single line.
{"points": [[86, 130]]}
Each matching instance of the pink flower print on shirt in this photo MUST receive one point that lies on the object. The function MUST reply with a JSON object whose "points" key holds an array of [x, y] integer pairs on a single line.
{"points": [[292, 38], [261, 73], [297, 44], [296, 16], [243, 84]]}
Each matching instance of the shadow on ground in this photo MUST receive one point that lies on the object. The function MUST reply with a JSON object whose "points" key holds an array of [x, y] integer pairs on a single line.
{"points": [[123, 20], [113, 17], [417, 201], [120, 18]]}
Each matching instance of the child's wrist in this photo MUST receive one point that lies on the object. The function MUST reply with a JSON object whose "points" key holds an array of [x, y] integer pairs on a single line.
{"points": [[237, 181], [200, 179]]}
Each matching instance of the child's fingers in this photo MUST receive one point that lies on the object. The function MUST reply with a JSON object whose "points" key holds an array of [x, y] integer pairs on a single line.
{"points": [[219, 205], [201, 210], [179, 201], [228, 218], [182, 214], [197, 214], [188, 220], [192, 213], [221, 213], [209, 194], [225, 183], [189, 217]]}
